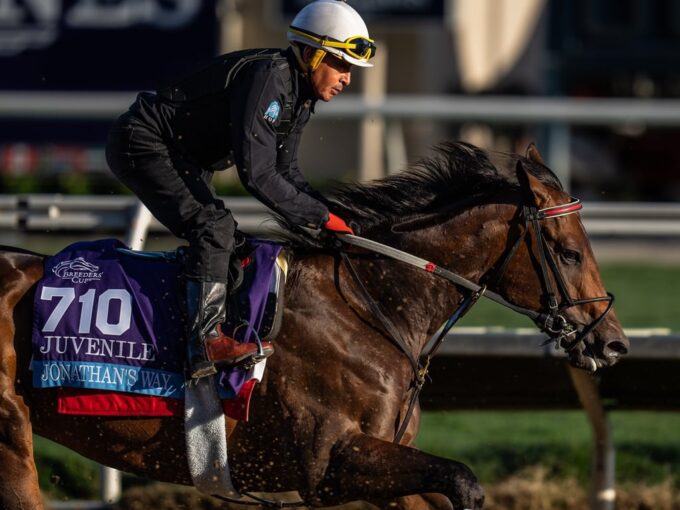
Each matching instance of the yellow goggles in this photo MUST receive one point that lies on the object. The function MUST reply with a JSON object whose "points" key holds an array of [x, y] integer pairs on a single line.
{"points": [[358, 46]]}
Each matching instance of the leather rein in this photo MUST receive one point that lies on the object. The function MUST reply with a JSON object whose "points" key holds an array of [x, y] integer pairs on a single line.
{"points": [[560, 330]]}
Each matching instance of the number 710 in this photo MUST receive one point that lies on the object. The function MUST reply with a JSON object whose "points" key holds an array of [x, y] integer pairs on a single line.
{"points": [[66, 296]]}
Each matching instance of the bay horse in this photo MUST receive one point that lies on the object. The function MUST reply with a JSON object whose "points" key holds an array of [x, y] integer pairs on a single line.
{"points": [[324, 418]]}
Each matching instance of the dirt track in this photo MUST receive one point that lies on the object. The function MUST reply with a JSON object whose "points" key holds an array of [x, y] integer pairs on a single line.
{"points": [[531, 490]]}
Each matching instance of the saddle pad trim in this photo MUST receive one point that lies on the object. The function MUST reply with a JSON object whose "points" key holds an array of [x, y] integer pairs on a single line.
{"points": [[75, 401], [84, 402]]}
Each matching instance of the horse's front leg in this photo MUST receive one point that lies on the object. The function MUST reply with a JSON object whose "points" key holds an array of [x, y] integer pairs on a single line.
{"points": [[432, 501], [18, 476], [365, 468]]}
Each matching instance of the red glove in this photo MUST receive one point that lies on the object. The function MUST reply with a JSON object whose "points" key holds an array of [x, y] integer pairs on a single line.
{"points": [[336, 224]]}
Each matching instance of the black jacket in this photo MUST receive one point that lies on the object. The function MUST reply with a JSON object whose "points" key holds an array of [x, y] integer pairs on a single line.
{"points": [[247, 108]]}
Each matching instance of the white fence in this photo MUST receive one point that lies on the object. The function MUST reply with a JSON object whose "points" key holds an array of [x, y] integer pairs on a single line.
{"points": [[556, 113], [493, 109], [66, 213]]}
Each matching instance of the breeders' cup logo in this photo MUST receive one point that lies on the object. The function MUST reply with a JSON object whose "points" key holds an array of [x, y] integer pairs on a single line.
{"points": [[77, 270], [272, 112]]}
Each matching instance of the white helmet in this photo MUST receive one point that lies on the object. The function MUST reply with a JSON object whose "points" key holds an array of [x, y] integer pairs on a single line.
{"points": [[335, 27]]}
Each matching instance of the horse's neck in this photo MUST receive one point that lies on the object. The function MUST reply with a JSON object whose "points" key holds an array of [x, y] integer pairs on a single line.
{"points": [[415, 301], [420, 302]]}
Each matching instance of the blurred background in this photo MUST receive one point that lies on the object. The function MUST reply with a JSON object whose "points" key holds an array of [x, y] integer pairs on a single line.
{"points": [[594, 83]]}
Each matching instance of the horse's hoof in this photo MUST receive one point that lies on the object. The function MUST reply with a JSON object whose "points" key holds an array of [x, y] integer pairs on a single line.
{"points": [[470, 494], [474, 499]]}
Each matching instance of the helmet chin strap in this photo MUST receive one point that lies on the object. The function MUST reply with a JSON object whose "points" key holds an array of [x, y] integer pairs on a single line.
{"points": [[316, 59]]}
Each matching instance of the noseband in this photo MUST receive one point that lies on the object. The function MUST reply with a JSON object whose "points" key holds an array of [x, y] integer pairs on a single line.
{"points": [[551, 320]]}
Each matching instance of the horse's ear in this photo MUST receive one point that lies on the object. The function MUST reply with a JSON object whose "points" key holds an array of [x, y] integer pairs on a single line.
{"points": [[532, 154], [533, 190]]}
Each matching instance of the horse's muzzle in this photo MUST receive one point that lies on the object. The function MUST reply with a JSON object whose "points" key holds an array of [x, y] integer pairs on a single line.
{"points": [[614, 349], [591, 357]]}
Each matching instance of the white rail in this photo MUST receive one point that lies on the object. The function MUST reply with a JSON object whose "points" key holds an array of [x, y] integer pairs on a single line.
{"points": [[497, 109], [557, 113], [54, 213]]}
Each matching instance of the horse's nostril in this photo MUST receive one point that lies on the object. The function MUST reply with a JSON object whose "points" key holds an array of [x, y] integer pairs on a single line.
{"points": [[616, 348]]}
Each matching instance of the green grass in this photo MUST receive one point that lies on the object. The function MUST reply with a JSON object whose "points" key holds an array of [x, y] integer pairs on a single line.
{"points": [[496, 445], [63, 473], [646, 296]]}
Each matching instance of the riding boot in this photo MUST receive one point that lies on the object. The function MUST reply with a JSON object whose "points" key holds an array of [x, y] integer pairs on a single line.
{"points": [[207, 346]]}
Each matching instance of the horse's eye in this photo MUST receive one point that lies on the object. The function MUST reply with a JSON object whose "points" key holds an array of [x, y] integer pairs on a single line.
{"points": [[570, 256]]}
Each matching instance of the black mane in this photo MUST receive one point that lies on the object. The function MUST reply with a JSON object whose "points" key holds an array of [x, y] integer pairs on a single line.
{"points": [[457, 171]]}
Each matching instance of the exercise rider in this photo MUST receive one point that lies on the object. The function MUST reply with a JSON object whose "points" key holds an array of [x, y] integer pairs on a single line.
{"points": [[246, 108]]}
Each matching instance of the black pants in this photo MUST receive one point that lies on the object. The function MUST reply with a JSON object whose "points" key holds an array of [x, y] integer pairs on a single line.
{"points": [[177, 193]]}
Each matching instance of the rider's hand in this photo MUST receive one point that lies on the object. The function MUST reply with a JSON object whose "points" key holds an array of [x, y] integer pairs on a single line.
{"points": [[336, 224]]}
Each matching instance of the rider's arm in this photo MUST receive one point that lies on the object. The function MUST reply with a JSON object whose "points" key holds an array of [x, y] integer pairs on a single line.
{"points": [[287, 160], [254, 143]]}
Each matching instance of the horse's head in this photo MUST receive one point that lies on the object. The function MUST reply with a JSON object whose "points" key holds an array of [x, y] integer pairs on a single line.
{"points": [[505, 225], [549, 270]]}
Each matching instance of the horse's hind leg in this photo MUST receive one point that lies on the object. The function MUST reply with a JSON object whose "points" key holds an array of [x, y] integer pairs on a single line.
{"points": [[18, 476], [365, 468]]}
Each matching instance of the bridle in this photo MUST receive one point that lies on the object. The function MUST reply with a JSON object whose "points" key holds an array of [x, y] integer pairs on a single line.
{"points": [[551, 320], [565, 334]]}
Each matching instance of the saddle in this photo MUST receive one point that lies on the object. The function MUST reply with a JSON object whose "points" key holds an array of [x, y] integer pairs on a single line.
{"points": [[108, 326]]}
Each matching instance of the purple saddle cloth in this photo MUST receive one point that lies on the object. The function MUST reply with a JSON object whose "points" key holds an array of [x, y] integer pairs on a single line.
{"points": [[109, 318]]}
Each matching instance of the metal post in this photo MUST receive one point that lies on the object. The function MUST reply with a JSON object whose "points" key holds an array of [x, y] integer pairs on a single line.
{"points": [[602, 490], [136, 235], [110, 484], [372, 130], [395, 147], [559, 152]]}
